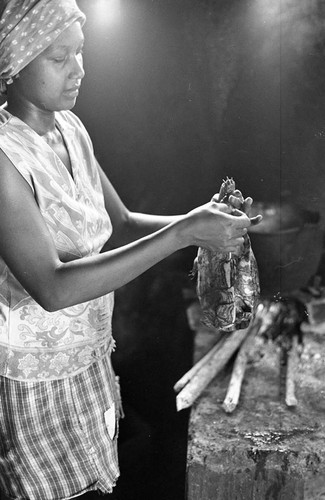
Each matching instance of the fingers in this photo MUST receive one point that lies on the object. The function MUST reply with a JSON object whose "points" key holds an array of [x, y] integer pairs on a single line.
{"points": [[233, 250], [247, 205], [215, 197], [241, 232], [253, 221], [235, 202], [240, 218], [234, 245], [256, 220], [236, 242], [238, 194], [238, 213], [239, 222], [241, 204], [222, 207]]}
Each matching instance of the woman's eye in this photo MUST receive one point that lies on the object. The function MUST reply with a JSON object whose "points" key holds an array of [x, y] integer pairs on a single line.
{"points": [[59, 59]]}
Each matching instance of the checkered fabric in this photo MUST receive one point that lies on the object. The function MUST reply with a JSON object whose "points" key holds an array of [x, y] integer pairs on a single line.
{"points": [[54, 441]]}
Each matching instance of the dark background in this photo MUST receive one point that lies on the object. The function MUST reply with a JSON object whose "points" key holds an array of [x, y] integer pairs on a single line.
{"points": [[180, 93], [177, 95]]}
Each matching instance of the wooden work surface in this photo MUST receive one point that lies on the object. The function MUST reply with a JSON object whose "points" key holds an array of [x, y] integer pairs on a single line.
{"points": [[263, 450]]}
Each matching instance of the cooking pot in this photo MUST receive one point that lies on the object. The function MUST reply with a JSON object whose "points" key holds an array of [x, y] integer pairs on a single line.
{"points": [[288, 246]]}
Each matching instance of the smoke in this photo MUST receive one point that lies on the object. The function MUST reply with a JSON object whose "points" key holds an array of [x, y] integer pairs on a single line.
{"points": [[298, 23]]}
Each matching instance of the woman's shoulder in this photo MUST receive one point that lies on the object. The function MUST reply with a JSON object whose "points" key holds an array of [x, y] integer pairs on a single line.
{"points": [[4, 117]]}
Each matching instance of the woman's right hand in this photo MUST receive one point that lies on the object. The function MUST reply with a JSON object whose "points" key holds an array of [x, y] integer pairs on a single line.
{"points": [[215, 226]]}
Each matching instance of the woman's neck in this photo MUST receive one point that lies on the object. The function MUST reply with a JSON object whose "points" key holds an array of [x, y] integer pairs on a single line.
{"points": [[39, 120]]}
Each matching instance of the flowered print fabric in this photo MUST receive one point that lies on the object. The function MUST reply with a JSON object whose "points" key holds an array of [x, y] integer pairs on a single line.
{"points": [[27, 27], [35, 344]]}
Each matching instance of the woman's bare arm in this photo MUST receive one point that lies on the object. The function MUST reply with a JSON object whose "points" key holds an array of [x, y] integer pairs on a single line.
{"points": [[129, 226], [28, 248]]}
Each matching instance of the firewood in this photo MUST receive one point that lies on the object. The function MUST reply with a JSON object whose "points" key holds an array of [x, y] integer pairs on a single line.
{"points": [[238, 372], [201, 379], [195, 368], [292, 366]]}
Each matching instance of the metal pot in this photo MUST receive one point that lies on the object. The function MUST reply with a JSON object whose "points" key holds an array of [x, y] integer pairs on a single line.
{"points": [[288, 246]]}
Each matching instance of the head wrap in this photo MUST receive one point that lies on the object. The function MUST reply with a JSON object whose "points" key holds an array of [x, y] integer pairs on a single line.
{"points": [[27, 27]]}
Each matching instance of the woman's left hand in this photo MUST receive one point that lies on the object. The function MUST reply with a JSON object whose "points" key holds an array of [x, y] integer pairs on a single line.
{"points": [[241, 204]]}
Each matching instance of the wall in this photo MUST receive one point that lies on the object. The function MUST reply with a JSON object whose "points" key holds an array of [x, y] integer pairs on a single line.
{"points": [[180, 93]]}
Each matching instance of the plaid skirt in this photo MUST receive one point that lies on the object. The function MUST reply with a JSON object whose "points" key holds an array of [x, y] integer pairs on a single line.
{"points": [[58, 439]]}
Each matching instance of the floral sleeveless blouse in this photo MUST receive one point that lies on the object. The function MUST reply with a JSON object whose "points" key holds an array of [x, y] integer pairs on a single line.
{"points": [[37, 345]]}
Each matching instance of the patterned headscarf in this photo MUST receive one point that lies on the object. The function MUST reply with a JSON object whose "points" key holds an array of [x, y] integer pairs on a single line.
{"points": [[27, 27]]}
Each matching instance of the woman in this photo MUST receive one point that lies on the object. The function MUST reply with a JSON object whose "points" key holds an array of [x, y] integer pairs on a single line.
{"points": [[59, 400]]}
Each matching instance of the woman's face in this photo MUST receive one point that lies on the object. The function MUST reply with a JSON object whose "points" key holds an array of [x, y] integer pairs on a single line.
{"points": [[51, 81]]}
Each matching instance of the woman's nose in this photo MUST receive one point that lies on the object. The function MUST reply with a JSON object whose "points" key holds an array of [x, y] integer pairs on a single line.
{"points": [[77, 70]]}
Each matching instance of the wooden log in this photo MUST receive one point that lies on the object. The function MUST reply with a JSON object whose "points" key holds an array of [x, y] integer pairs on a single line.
{"points": [[292, 365], [194, 388], [238, 372], [262, 449], [180, 384]]}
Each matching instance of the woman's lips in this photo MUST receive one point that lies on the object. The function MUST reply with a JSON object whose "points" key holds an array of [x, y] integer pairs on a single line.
{"points": [[73, 92]]}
